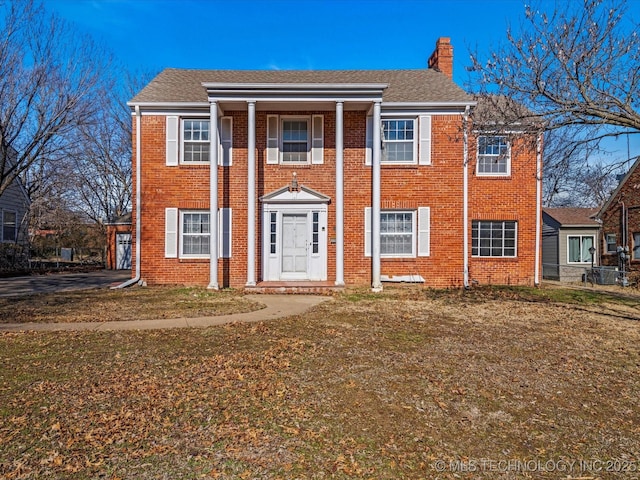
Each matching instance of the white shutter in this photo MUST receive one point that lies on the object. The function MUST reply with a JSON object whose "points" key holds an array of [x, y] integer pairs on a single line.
{"points": [[272, 139], [425, 140], [172, 134], [317, 139], [423, 231], [226, 142], [225, 232], [171, 232], [369, 141], [367, 231]]}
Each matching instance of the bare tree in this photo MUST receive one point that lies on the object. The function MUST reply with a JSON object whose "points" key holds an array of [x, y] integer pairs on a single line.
{"points": [[576, 66], [49, 79]]}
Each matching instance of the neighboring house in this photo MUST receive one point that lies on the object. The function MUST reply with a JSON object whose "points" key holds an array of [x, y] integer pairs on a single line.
{"points": [[568, 235], [620, 216], [14, 206], [329, 178], [119, 242]]}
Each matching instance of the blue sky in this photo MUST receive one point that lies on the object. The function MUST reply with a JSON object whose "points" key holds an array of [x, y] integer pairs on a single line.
{"points": [[149, 35], [288, 34]]}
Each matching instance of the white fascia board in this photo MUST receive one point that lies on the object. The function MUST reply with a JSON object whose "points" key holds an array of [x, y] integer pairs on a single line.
{"points": [[168, 104], [294, 87], [429, 104]]}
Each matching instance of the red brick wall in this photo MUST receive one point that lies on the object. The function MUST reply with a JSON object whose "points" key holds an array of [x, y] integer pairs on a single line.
{"points": [[612, 220], [438, 186]]}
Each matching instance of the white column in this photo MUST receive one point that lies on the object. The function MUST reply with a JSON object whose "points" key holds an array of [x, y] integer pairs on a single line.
{"points": [[213, 196], [251, 195], [376, 284], [339, 194]]}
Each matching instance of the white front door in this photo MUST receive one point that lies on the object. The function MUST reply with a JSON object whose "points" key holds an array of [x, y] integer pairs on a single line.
{"points": [[294, 243], [295, 228]]}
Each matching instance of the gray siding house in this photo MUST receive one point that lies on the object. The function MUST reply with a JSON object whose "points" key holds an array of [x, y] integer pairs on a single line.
{"points": [[568, 235], [14, 205]]}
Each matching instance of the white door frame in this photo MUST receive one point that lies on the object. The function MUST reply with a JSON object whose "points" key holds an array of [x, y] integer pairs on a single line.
{"points": [[272, 214]]}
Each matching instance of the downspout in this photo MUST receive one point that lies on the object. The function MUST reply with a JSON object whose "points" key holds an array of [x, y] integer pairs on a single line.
{"points": [[536, 275], [465, 199], [138, 208]]}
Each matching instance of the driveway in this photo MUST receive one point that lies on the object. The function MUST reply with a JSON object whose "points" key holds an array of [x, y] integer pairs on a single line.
{"points": [[61, 282]]}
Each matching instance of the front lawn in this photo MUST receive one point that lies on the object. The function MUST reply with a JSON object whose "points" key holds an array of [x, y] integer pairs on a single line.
{"points": [[507, 383]]}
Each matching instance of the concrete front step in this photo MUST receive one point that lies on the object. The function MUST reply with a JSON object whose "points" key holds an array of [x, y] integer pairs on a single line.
{"points": [[307, 288]]}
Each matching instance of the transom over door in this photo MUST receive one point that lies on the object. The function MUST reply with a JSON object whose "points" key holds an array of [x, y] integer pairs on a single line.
{"points": [[294, 244]]}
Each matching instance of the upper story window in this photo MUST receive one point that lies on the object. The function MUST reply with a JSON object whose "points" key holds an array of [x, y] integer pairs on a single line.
{"points": [[295, 141], [195, 141], [398, 141], [494, 155]]}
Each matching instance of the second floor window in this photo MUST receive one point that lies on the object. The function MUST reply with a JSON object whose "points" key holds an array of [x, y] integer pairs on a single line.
{"points": [[494, 155], [295, 141], [398, 141], [195, 139]]}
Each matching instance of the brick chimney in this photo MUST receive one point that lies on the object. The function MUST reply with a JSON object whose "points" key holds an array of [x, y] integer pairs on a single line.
{"points": [[442, 57]]}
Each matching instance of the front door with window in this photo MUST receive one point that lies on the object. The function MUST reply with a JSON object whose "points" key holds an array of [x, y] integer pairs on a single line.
{"points": [[295, 247], [294, 236]]}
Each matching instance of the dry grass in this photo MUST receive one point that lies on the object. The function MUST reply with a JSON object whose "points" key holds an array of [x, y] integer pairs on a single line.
{"points": [[360, 387], [127, 304]]}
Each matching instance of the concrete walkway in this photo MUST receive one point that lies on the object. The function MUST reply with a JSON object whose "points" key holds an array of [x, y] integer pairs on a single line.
{"points": [[276, 306]]}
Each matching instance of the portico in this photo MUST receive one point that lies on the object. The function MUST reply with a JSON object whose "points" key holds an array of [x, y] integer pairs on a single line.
{"points": [[294, 222]]}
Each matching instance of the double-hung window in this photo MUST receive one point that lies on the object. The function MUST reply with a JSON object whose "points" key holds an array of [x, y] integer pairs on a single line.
{"points": [[195, 233], [636, 246], [195, 141], [403, 233], [578, 248], [9, 226], [493, 238], [612, 242], [295, 140], [398, 145], [397, 234], [494, 155]]}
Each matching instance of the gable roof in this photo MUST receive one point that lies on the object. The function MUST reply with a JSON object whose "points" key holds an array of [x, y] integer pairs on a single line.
{"points": [[613, 195], [573, 217], [411, 86]]}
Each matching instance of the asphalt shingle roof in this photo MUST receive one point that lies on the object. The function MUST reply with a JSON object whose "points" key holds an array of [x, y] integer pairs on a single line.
{"points": [[568, 216], [426, 85]]}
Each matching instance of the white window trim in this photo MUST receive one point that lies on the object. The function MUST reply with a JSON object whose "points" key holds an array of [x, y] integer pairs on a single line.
{"points": [[515, 249], [182, 141], [416, 135], [593, 243], [182, 234], [493, 174], [414, 234], [420, 231], [281, 121]]}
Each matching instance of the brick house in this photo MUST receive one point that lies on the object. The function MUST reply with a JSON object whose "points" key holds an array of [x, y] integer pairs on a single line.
{"points": [[620, 217], [328, 178]]}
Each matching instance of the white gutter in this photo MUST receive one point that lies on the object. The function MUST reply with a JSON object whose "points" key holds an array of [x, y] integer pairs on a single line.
{"points": [[138, 208], [465, 200], [536, 275]]}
